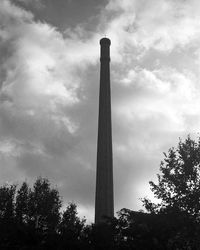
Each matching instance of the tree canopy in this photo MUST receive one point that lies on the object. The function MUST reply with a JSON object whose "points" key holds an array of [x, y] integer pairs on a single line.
{"points": [[178, 192], [178, 184], [31, 218]]}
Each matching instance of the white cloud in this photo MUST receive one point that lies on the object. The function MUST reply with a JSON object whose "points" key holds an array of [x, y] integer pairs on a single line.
{"points": [[42, 74], [162, 25]]}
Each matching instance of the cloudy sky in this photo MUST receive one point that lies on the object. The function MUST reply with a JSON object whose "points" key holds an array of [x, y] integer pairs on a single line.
{"points": [[49, 78]]}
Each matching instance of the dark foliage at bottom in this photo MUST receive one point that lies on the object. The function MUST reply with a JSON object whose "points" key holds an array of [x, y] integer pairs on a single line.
{"points": [[31, 218], [169, 230]]}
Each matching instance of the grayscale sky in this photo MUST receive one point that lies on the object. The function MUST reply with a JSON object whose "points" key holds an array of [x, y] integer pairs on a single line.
{"points": [[49, 78]]}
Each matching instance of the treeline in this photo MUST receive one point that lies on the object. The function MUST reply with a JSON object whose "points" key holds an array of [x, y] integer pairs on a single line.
{"points": [[33, 218]]}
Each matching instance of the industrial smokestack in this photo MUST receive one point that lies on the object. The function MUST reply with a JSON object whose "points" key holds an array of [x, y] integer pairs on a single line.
{"points": [[104, 200]]}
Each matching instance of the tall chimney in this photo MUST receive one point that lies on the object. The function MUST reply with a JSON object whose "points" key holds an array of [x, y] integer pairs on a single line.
{"points": [[104, 200]]}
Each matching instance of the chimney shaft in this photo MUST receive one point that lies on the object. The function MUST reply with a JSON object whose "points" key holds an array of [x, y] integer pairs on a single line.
{"points": [[104, 200]]}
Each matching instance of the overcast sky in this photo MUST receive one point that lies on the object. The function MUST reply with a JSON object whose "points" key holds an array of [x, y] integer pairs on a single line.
{"points": [[49, 78]]}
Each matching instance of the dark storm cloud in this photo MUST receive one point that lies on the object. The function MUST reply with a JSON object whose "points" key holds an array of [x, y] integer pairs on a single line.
{"points": [[65, 13]]}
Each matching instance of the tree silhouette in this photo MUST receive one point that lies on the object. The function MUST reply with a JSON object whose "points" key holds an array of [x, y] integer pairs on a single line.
{"points": [[44, 206], [179, 182], [22, 203], [178, 190], [7, 212], [29, 218], [7, 195], [71, 228]]}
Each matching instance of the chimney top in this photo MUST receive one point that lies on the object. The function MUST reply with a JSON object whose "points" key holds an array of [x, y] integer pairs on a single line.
{"points": [[105, 41]]}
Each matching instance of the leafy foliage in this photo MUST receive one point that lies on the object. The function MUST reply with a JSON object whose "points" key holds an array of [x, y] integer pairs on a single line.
{"points": [[7, 194], [22, 203], [44, 205], [71, 227], [28, 215], [178, 190], [179, 182]]}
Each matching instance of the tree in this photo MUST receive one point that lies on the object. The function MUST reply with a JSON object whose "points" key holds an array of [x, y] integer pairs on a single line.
{"points": [[22, 203], [71, 228], [7, 212], [139, 230], [29, 218], [179, 182], [178, 190], [44, 206], [162, 231], [7, 196]]}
